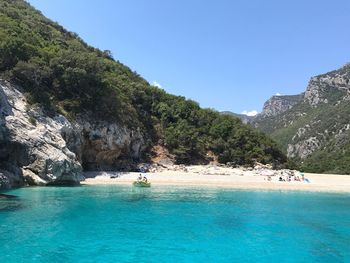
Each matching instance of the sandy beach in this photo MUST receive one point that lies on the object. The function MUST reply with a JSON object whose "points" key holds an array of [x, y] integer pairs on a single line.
{"points": [[212, 176]]}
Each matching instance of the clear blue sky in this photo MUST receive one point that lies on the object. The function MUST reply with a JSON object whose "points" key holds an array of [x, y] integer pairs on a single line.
{"points": [[225, 54]]}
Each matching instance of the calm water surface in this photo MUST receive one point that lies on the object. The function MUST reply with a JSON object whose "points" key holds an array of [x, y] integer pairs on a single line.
{"points": [[167, 224]]}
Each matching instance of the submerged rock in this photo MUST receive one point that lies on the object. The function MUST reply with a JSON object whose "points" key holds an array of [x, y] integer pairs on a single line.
{"points": [[5, 196]]}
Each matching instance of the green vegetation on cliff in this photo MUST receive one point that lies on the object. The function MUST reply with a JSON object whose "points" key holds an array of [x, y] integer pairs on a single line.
{"points": [[59, 71], [316, 137]]}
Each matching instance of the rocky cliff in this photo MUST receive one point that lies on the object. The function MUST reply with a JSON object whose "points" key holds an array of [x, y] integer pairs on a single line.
{"points": [[323, 88], [315, 128], [279, 104], [37, 149]]}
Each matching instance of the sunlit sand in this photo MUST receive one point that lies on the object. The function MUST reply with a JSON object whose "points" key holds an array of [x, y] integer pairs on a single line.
{"points": [[224, 177]]}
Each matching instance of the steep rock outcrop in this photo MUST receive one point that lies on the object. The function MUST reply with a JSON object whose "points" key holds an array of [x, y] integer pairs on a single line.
{"points": [[320, 88], [32, 148], [279, 104], [103, 145], [38, 149]]}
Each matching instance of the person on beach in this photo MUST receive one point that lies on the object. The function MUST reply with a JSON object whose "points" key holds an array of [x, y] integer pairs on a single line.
{"points": [[139, 178], [144, 179]]}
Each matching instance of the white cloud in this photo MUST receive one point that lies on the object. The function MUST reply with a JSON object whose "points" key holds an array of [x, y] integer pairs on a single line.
{"points": [[250, 113], [278, 94], [156, 84]]}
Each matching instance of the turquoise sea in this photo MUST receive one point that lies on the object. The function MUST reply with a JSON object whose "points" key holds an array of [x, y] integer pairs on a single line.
{"points": [[167, 224]]}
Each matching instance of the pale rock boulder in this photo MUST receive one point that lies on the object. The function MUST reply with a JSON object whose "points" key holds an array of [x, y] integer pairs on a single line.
{"points": [[32, 178]]}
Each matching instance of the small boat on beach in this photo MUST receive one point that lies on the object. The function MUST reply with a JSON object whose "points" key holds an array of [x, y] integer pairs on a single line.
{"points": [[141, 184]]}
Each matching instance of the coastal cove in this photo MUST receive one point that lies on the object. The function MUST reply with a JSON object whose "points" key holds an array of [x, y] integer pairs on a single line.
{"points": [[174, 131], [123, 223]]}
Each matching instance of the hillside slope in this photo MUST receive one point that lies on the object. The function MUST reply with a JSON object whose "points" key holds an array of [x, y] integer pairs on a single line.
{"points": [[244, 118], [316, 130], [110, 116]]}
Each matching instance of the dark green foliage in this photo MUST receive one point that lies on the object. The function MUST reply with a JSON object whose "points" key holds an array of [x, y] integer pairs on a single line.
{"points": [[62, 73]]}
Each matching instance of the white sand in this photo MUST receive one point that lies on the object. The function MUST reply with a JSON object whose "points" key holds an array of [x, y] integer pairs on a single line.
{"points": [[225, 177]]}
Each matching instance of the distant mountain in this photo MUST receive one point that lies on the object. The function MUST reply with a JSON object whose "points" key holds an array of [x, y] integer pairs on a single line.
{"points": [[279, 104], [313, 127], [244, 118], [273, 107]]}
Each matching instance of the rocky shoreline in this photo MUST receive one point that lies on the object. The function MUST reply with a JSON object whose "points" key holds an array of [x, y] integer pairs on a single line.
{"points": [[39, 149]]}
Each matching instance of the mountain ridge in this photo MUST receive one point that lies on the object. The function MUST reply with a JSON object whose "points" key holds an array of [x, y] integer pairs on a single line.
{"points": [[314, 131]]}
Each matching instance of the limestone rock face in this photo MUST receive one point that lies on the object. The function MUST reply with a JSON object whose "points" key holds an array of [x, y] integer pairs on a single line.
{"points": [[38, 149], [32, 141], [303, 148], [101, 145], [313, 94], [279, 104], [319, 87]]}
